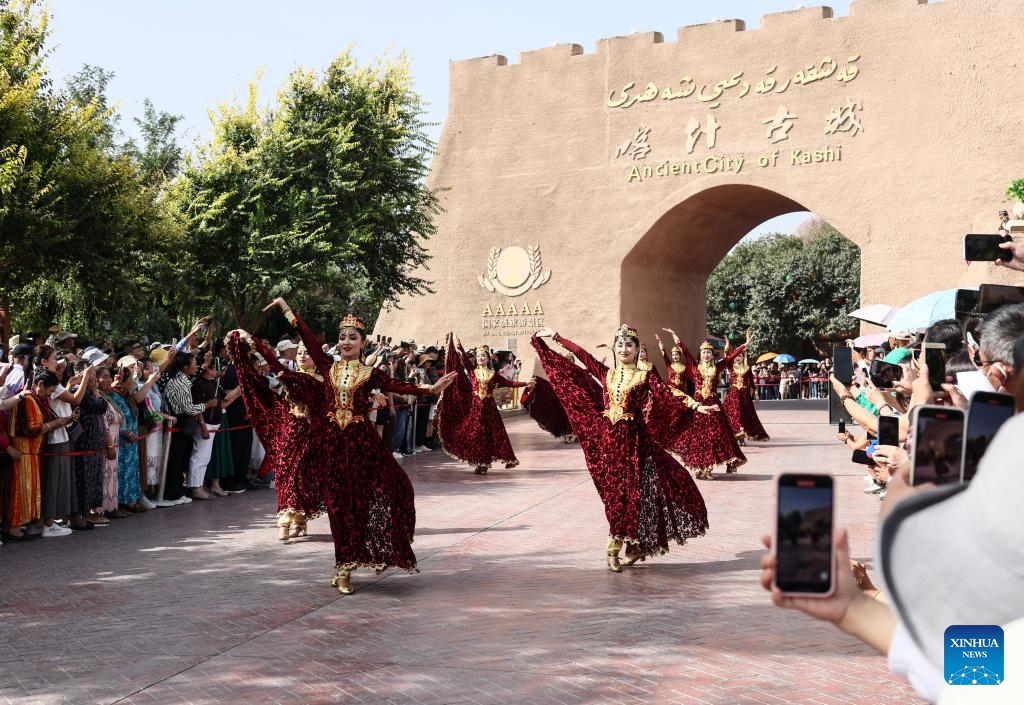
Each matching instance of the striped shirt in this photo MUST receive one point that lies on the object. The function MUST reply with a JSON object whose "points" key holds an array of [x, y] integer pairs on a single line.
{"points": [[178, 397]]}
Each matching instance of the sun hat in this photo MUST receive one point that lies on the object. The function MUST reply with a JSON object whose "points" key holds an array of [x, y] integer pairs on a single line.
{"points": [[127, 361], [286, 344], [955, 555], [896, 356], [94, 356], [158, 355]]}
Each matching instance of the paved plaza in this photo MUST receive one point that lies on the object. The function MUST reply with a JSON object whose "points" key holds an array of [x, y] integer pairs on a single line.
{"points": [[201, 604]]}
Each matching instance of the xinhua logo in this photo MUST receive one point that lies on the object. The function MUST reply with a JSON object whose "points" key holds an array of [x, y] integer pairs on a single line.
{"points": [[974, 655]]}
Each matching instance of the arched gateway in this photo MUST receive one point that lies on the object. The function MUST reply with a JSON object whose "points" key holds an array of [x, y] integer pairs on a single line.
{"points": [[587, 189]]}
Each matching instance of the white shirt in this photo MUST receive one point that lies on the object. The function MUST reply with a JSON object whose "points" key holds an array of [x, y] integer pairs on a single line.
{"points": [[60, 408]]}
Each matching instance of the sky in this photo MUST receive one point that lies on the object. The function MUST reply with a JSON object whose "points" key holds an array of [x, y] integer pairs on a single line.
{"points": [[187, 56]]}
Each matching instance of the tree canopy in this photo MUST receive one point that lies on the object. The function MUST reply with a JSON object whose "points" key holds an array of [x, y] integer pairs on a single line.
{"points": [[319, 197], [793, 293]]}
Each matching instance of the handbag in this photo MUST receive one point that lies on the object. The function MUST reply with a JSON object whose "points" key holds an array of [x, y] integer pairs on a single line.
{"points": [[187, 424]]}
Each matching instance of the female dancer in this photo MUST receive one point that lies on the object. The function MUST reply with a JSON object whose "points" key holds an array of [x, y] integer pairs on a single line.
{"points": [[648, 498], [469, 422], [369, 496], [643, 362], [739, 406], [541, 402], [713, 442], [289, 426]]}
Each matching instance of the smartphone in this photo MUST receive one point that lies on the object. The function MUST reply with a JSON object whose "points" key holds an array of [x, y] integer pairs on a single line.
{"points": [[935, 358], [985, 414], [966, 301], [993, 296], [861, 457], [885, 375], [842, 426], [985, 248], [938, 445], [888, 431], [804, 564], [842, 364]]}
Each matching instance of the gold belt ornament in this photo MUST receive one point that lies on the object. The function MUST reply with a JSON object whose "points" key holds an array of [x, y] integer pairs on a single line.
{"points": [[615, 413], [343, 417]]}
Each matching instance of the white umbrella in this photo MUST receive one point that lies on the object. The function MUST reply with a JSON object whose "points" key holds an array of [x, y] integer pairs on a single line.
{"points": [[879, 314]]}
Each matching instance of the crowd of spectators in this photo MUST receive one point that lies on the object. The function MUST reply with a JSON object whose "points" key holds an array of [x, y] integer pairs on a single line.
{"points": [[948, 555], [91, 434]]}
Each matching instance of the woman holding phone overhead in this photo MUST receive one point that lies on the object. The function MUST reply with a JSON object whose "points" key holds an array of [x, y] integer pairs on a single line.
{"points": [[369, 497]]}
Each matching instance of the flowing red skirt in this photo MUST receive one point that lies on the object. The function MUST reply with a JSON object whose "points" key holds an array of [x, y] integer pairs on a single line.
{"points": [[743, 419]]}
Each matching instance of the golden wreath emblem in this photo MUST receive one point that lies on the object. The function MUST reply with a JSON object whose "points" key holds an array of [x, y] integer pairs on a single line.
{"points": [[513, 271]]}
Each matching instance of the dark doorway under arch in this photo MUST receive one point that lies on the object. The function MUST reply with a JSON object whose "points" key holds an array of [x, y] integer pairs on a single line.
{"points": [[664, 276]]}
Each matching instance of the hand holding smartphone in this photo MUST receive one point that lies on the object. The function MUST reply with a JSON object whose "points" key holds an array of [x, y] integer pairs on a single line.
{"points": [[804, 563], [985, 414], [842, 364], [938, 445], [935, 358], [985, 248]]}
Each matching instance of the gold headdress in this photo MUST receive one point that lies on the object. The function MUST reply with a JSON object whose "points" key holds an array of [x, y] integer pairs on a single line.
{"points": [[352, 321], [707, 346], [626, 331]]}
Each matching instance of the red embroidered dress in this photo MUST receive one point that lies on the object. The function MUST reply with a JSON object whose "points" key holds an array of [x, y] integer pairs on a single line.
{"points": [[710, 441], [290, 427], [649, 499], [369, 496], [739, 406], [468, 421], [543, 406]]}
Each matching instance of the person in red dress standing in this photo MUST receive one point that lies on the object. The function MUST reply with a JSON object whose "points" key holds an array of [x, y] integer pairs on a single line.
{"points": [[649, 499], [289, 426], [468, 420], [369, 497], [712, 443], [739, 406]]}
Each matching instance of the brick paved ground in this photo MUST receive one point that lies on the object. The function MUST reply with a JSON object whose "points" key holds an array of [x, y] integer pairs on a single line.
{"points": [[201, 604]]}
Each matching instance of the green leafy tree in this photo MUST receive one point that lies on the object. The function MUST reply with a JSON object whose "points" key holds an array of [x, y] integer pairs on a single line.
{"points": [[792, 293], [320, 199], [81, 231]]}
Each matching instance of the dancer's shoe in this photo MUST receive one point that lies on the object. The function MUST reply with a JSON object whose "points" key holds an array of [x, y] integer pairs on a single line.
{"points": [[343, 581], [612, 551], [632, 560], [284, 524], [480, 470], [298, 528]]}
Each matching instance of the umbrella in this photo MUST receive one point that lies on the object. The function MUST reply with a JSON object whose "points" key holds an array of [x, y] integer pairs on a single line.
{"points": [[766, 357], [872, 340], [785, 359], [922, 312], [875, 313], [808, 361]]}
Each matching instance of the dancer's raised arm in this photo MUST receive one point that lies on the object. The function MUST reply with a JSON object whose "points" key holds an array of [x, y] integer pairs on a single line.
{"points": [[322, 360]]}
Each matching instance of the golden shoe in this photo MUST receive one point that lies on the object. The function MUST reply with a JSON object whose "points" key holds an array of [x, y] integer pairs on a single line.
{"points": [[343, 581]]}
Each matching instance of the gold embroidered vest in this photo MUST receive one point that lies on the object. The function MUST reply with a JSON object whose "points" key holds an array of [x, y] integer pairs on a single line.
{"points": [[483, 375], [676, 374], [346, 378], [708, 378], [619, 382]]}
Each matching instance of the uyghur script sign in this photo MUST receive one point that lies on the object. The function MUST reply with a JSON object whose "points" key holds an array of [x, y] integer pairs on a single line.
{"points": [[710, 95]]}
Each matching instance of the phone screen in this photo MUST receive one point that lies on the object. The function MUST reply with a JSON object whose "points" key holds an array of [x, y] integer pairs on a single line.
{"points": [[938, 445], [993, 296], [842, 364], [985, 248], [842, 426], [803, 534], [888, 431], [987, 412], [885, 375], [966, 301], [935, 358]]}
